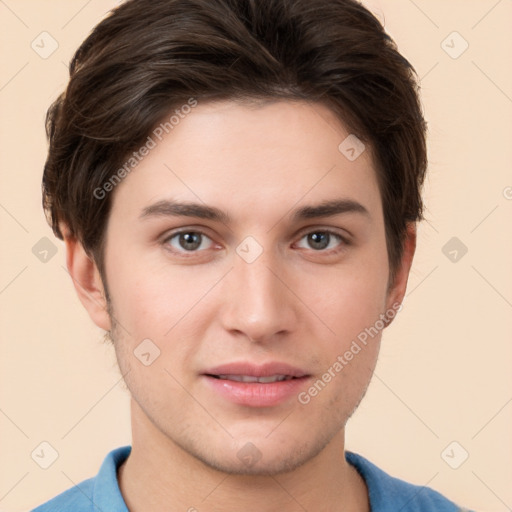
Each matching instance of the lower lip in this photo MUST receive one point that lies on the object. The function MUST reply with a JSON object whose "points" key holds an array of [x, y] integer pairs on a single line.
{"points": [[256, 394]]}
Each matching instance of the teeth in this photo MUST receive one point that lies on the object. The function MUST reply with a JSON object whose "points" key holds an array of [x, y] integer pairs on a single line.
{"points": [[251, 378], [272, 378]]}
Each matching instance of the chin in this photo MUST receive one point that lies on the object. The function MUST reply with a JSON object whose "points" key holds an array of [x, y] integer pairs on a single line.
{"points": [[277, 464], [259, 457]]}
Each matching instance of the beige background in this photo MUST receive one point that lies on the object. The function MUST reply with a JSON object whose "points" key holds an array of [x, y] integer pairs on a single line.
{"points": [[444, 372]]}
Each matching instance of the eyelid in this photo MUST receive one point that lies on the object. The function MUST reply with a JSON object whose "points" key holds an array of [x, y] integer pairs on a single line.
{"points": [[343, 234]]}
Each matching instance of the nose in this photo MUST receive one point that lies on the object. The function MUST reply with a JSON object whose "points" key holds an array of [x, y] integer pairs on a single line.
{"points": [[258, 303]]}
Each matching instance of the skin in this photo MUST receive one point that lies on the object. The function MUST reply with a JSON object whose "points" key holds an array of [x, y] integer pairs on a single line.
{"points": [[295, 303]]}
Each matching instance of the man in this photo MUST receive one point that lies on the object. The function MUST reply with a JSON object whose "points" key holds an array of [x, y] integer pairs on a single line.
{"points": [[238, 184]]}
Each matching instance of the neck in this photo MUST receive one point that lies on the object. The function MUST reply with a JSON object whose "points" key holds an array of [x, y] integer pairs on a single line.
{"points": [[159, 475]]}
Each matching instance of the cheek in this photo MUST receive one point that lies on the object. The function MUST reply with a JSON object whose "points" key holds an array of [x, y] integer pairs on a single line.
{"points": [[351, 304], [148, 299], [351, 299], [348, 358]]}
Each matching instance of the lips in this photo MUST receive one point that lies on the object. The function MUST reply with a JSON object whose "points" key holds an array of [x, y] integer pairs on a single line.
{"points": [[247, 384]]}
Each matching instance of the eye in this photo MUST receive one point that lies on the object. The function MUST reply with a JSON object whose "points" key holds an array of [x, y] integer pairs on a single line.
{"points": [[188, 241], [323, 240]]}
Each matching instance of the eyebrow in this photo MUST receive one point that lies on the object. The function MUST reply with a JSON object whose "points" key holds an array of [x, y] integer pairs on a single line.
{"points": [[167, 208]]}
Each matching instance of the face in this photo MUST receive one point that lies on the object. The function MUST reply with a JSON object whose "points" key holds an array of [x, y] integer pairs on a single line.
{"points": [[245, 249]]}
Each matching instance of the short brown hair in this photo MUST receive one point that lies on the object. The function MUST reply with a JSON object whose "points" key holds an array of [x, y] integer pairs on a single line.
{"points": [[148, 57]]}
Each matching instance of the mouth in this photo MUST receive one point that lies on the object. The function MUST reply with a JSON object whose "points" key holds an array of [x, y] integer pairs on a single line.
{"points": [[253, 379], [253, 385]]}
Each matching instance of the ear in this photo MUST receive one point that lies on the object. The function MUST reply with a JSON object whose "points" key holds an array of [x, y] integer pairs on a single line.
{"points": [[396, 291], [87, 282]]}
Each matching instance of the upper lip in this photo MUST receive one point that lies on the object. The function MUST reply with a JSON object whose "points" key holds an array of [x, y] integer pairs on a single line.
{"points": [[256, 370]]}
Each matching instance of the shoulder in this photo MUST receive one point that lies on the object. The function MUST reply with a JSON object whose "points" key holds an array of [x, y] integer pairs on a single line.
{"points": [[99, 493], [389, 494], [77, 498]]}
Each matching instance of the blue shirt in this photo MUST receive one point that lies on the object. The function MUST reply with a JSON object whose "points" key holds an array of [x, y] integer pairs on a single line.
{"points": [[386, 494]]}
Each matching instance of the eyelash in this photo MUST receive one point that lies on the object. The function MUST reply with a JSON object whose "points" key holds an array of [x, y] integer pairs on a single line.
{"points": [[343, 241]]}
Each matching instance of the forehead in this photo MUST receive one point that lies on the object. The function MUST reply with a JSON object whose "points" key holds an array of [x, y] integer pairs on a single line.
{"points": [[251, 158]]}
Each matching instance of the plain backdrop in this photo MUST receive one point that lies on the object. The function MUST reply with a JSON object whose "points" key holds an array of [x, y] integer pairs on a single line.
{"points": [[442, 389]]}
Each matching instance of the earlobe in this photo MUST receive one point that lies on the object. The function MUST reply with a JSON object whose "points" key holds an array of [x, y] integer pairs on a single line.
{"points": [[397, 290], [87, 281]]}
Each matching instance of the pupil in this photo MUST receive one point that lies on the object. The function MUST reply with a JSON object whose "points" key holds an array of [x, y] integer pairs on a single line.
{"points": [[319, 240]]}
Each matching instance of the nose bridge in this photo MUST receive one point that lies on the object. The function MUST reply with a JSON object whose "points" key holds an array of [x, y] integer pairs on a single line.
{"points": [[257, 303]]}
